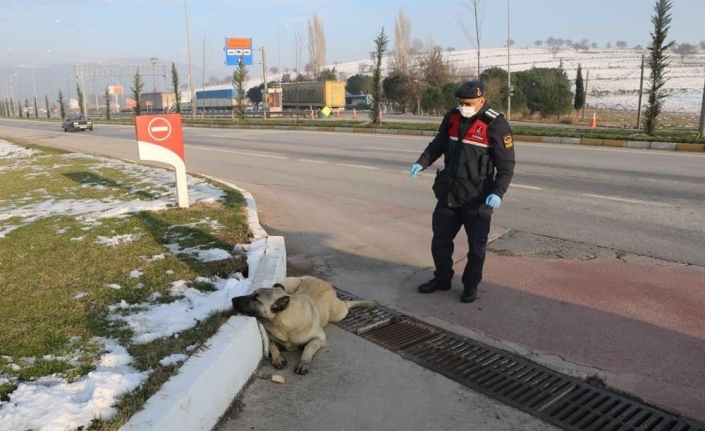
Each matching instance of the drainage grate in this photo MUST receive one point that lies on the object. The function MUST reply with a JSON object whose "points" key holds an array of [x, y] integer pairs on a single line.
{"points": [[564, 401]]}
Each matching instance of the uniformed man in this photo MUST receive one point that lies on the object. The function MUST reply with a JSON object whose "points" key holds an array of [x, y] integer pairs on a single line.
{"points": [[478, 150]]}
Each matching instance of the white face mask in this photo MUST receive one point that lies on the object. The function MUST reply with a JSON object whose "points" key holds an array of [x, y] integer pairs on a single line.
{"points": [[467, 111]]}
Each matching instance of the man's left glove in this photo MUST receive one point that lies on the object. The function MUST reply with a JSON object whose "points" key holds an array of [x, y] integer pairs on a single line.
{"points": [[493, 201], [415, 169]]}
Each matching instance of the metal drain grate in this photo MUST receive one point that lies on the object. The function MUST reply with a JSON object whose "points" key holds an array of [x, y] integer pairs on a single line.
{"points": [[564, 401]]}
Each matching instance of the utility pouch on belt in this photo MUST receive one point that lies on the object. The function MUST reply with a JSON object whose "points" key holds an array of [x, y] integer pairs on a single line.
{"points": [[442, 184]]}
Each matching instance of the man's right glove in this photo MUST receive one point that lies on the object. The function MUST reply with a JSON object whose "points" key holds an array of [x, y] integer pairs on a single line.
{"points": [[415, 169]]}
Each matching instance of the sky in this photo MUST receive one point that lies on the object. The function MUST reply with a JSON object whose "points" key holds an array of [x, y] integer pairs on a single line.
{"points": [[54, 404], [102, 30]]}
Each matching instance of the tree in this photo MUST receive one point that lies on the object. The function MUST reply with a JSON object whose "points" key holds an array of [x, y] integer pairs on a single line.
{"points": [[579, 100], [380, 48], [401, 56], [684, 50], [621, 44], [476, 8], [255, 93], [175, 86], [554, 45], [359, 84], [62, 106], [316, 45], [239, 82], [547, 90], [46, 102], [396, 89], [137, 92], [658, 62], [432, 100], [298, 48], [81, 100], [538, 43], [106, 98], [328, 75], [205, 56], [26, 107]]}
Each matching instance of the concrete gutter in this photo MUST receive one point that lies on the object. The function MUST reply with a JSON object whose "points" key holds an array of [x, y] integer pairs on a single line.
{"points": [[208, 382]]}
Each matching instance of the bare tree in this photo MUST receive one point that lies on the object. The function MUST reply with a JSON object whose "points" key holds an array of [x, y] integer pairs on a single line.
{"points": [[402, 42], [316, 45], [538, 43], [476, 8], [298, 49]]}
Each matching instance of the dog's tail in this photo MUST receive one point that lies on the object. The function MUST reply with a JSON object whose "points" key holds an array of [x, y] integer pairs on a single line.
{"points": [[361, 304]]}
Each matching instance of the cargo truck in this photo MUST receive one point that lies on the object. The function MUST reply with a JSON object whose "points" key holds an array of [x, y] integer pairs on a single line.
{"points": [[160, 102], [314, 94], [225, 98]]}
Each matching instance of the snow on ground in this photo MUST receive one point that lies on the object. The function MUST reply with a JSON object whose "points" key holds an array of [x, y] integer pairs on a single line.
{"points": [[54, 404]]}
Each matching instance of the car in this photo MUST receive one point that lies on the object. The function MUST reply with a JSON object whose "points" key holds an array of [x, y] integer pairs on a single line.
{"points": [[76, 122]]}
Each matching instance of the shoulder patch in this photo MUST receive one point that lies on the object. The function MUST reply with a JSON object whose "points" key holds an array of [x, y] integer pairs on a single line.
{"points": [[508, 141], [491, 113]]}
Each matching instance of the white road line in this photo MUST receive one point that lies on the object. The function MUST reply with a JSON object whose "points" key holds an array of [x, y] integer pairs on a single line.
{"points": [[244, 153], [632, 201], [392, 149], [521, 186], [311, 161], [356, 166]]}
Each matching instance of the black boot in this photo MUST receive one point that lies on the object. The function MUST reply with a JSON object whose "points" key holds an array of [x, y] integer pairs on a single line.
{"points": [[469, 294], [433, 285]]}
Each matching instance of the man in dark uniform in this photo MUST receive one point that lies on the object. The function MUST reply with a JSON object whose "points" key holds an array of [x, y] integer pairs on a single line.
{"points": [[478, 149]]}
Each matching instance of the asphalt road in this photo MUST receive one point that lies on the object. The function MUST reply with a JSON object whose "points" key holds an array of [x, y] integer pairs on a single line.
{"points": [[649, 203]]}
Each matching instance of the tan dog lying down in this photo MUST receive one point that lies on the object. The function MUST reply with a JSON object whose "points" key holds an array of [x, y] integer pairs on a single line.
{"points": [[294, 313]]}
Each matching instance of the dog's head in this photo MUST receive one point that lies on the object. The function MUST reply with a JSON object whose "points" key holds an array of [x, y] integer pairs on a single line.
{"points": [[263, 303]]}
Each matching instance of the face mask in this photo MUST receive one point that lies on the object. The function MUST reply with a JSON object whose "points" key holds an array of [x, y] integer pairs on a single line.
{"points": [[467, 111]]}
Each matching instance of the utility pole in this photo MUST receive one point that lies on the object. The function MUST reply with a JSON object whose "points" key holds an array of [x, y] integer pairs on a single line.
{"points": [[701, 129], [641, 88], [265, 93], [587, 77], [190, 67], [509, 73]]}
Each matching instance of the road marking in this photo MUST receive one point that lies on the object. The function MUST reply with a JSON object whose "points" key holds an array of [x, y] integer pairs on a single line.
{"points": [[244, 153], [311, 161], [390, 149], [356, 166], [521, 186], [632, 201]]}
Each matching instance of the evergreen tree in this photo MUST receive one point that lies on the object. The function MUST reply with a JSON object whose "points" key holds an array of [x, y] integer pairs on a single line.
{"points": [[658, 62], [81, 100], [239, 82], [380, 48], [137, 92], [175, 85], [106, 97], [46, 101], [62, 107], [579, 100]]}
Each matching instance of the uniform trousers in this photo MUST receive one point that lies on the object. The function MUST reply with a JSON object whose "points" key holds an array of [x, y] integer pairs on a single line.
{"points": [[446, 225]]}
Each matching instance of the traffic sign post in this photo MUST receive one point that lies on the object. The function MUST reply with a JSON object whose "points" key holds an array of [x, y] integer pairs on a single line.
{"points": [[160, 139], [237, 48]]}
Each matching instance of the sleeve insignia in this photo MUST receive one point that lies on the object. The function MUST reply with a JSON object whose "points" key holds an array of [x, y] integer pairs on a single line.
{"points": [[508, 141]]}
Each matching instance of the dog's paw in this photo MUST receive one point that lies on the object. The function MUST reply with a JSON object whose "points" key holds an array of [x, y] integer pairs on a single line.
{"points": [[302, 368], [279, 364]]}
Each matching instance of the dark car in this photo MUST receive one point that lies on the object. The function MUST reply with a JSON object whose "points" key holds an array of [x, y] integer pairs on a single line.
{"points": [[76, 122]]}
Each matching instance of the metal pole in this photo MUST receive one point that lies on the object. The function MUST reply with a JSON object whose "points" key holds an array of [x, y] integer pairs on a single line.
{"points": [[509, 73], [265, 105], [190, 67], [34, 84], [82, 106], [701, 129], [279, 58], [641, 88], [587, 77]]}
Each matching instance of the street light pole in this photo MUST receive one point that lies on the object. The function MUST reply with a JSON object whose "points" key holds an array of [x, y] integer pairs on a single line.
{"points": [[154, 76], [279, 59], [190, 66]]}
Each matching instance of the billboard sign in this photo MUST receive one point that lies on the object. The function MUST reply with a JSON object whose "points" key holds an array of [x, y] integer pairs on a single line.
{"points": [[236, 47]]}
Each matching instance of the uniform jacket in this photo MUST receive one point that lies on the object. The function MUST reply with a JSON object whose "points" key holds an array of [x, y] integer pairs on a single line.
{"points": [[478, 157]]}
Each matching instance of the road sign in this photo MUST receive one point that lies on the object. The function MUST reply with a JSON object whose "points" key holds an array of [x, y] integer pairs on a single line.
{"points": [[160, 139], [236, 48]]}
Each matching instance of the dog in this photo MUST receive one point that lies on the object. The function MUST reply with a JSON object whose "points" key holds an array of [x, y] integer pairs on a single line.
{"points": [[294, 313]]}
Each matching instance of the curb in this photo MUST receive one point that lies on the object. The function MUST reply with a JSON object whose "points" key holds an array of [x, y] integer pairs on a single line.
{"points": [[186, 402]]}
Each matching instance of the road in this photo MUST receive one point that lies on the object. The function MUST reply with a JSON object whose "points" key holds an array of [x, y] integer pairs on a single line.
{"points": [[601, 270]]}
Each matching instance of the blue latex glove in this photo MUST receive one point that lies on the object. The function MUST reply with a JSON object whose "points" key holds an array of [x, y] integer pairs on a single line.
{"points": [[415, 169], [493, 201]]}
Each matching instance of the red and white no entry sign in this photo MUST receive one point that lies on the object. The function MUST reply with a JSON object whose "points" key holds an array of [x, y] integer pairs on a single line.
{"points": [[159, 129]]}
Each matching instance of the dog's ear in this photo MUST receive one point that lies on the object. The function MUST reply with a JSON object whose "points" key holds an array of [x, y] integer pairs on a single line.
{"points": [[279, 285], [280, 304]]}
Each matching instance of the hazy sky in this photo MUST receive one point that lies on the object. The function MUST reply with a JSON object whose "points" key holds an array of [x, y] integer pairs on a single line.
{"points": [[115, 29]]}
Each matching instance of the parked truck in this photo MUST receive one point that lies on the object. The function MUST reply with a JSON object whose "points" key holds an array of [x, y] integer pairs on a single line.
{"points": [[224, 98], [315, 94], [160, 102]]}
